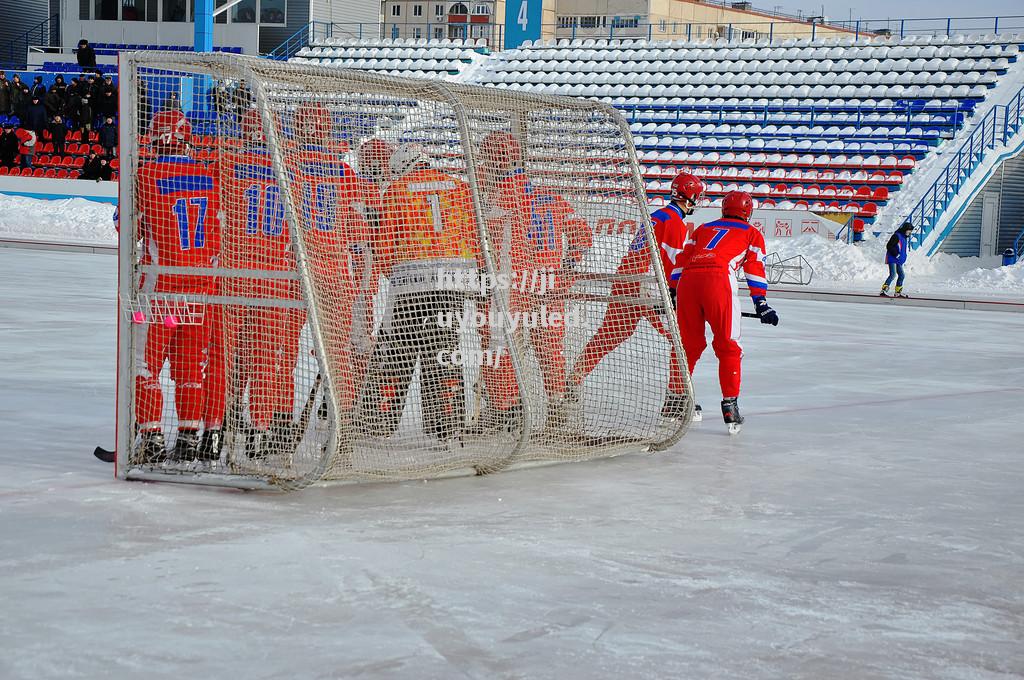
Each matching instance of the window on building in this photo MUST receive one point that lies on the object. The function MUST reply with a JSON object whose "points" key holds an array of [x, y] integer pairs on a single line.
{"points": [[438, 10], [593, 22], [482, 10], [106, 10], [458, 8], [438, 33], [244, 12], [175, 10], [417, 10], [133, 10], [417, 32], [272, 12], [625, 22], [220, 18], [567, 22], [396, 10]]}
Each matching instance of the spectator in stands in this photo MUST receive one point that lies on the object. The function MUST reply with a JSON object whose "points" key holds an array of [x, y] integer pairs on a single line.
{"points": [[86, 55], [220, 100], [35, 117], [38, 89], [8, 145], [104, 173], [55, 97], [91, 169], [59, 134], [84, 117], [18, 98], [106, 103], [5, 94], [172, 103], [27, 146], [896, 257], [108, 136], [242, 98]]}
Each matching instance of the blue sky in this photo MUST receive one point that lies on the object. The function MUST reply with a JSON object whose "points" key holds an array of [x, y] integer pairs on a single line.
{"points": [[883, 9]]}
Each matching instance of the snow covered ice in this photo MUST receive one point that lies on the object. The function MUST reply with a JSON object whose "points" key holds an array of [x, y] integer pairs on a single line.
{"points": [[867, 523]]}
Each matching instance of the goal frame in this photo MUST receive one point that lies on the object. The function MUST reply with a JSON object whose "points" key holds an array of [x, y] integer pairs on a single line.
{"points": [[448, 93]]}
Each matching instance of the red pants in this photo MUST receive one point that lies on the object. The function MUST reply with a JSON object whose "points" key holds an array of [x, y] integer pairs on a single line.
{"points": [[619, 323], [254, 348], [711, 298], [184, 347], [547, 336]]}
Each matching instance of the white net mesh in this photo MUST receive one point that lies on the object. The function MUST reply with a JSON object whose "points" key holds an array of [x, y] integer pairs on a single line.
{"points": [[381, 278]]}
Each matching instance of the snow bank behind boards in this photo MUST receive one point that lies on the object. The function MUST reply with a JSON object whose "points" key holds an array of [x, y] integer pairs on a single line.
{"points": [[72, 220]]}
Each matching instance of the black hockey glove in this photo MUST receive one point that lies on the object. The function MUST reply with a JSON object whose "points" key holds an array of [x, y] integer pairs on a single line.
{"points": [[764, 312], [672, 295]]}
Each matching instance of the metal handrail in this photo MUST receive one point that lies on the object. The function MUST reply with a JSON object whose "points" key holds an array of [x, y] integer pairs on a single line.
{"points": [[20, 44], [998, 125]]}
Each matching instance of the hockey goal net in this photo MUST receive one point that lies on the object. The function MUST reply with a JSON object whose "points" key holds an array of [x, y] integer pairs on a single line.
{"points": [[329, 274]]}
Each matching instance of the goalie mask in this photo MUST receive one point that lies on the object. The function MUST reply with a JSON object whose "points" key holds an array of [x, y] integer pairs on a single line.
{"points": [[407, 158], [172, 129]]}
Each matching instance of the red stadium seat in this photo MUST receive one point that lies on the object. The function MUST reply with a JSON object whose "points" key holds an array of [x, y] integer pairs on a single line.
{"points": [[863, 193], [114, 177], [39, 172], [15, 172], [96, 148], [881, 194], [46, 147], [869, 210], [50, 172], [115, 164], [42, 159], [4, 170], [63, 174], [78, 162], [67, 161], [907, 162]]}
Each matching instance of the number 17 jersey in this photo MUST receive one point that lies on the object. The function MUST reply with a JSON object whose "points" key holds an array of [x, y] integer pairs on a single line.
{"points": [[177, 200]]}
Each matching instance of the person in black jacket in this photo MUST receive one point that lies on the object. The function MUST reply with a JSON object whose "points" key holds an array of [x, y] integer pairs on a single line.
{"points": [[5, 94], [8, 146], [108, 136], [35, 117], [86, 55], [104, 173], [38, 89], [54, 99], [59, 134], [895, 258], [19, 97], [84, 117], [91, 169]]}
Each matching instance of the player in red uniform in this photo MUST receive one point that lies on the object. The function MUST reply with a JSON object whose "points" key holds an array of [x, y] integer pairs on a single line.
{"points": [[538, 236], [177, 200], [622, 318], [335, 236], [706, 292], [258, 346]]}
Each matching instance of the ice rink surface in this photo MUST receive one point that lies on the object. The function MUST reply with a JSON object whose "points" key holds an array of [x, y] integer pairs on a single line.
{"points": [[867, 523]]}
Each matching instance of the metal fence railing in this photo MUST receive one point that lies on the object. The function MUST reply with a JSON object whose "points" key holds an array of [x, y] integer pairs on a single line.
{"points": [[768, 27], [998, 125], [15, 54]]}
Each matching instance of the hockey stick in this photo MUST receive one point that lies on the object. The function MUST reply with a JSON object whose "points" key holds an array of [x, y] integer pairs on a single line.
{"points": [[105, 455], [749, 315], [307, 410]]}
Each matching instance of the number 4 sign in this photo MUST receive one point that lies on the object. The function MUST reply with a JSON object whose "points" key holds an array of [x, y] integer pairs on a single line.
{"points": [[522, 21]]}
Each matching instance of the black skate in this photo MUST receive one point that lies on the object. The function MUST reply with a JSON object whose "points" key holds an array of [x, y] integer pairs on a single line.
{"points": [[209, 448], [257, 444], [675, 407], [731, 415], [186, 446], [496, 421], [151, 449], [283, 433]]}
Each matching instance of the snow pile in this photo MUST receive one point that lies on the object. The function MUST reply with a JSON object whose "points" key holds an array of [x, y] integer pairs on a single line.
{"points": [[68, 220], [862, 267]]}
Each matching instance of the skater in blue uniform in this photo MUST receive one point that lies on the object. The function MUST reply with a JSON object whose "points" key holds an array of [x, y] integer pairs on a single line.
{"points": [[896, 257]]}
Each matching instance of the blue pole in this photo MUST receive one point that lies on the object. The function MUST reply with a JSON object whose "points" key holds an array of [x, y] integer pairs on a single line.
{"points": [[203, 20], [901, 28], [856, 31], [949, 25], [995, 29], [814, 30], [771, 32]]}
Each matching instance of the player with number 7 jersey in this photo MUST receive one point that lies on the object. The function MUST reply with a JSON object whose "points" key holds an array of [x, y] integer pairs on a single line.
{"points": [[177, 200]]}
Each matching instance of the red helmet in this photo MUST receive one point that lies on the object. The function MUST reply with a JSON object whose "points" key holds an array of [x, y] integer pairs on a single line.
{"points": [[171, 128], [737, 204], [502, 147], [687, 187], [313, 120]]}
